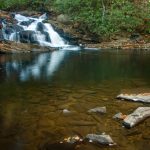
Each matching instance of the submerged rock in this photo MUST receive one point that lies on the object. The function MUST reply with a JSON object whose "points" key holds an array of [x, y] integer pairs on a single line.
{"points": [[119, 116], [66, 111], [98, 110], [144, 97], [101, 139], [140, 114]]}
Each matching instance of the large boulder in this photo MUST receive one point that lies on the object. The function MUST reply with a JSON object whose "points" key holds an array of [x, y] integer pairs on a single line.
{"points": [[64, 19], [40, 27], [27, 36]]}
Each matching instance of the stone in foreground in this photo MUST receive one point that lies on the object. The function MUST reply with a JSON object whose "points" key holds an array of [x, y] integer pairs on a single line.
{"points": [[98, 110], [140, 114], [119, 116], [101, 139], [144, 97]]}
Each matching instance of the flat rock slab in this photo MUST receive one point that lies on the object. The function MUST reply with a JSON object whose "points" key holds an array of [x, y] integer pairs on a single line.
{"points": [[101, 139], [140, 114], [142, 97], [14, 47]]}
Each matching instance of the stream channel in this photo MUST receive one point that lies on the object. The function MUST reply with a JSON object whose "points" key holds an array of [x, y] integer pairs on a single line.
{"points": [[35, 88]]}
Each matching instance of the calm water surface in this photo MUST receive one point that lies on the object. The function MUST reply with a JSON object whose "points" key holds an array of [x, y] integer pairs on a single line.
{"points": [[35, 88]]}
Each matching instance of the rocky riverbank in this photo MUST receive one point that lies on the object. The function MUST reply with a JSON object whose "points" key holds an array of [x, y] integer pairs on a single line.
{"points": [[74, 32], [13, 47]]}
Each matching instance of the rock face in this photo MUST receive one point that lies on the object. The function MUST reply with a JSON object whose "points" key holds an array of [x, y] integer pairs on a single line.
{"points": [[32, 37], [1, 36], [40, 27], [101, 139], [144, 97], [136, 117], [12, 28], [27, 37]]}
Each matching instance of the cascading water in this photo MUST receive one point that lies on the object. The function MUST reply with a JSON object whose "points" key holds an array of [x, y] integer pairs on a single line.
{"points": [[33, 30]]}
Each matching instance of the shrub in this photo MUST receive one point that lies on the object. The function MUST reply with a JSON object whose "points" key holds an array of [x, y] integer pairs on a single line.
{"points": [[104, 16], [13, 4]]}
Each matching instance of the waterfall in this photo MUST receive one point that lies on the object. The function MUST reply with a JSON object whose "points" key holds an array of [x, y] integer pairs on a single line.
{"points": [[33, 30], [56, 40]]}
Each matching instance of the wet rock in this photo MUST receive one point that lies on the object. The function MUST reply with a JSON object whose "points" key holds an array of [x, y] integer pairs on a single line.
{"points": [[26, 23], [1, 23], [40, 26], [98, 110], [1, 36], [144, 97], [135, 37], [140, 114], [12, 28], [27, 36], [101, 139]]}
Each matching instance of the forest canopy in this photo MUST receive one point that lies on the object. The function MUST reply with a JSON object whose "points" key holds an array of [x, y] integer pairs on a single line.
{"points": [[104, 17]]}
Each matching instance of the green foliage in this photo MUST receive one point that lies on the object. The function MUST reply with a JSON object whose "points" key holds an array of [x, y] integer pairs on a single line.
{"points": [[13, 4], [105, 17]]}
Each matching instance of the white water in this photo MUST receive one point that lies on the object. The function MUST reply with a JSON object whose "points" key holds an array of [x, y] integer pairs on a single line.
{"points": [[35, 69], [39, 36], [56, 40]]}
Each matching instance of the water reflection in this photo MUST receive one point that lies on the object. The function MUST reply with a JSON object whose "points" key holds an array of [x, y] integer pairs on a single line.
{"points": [[38, 66], [75, 66], [31, 112]]}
